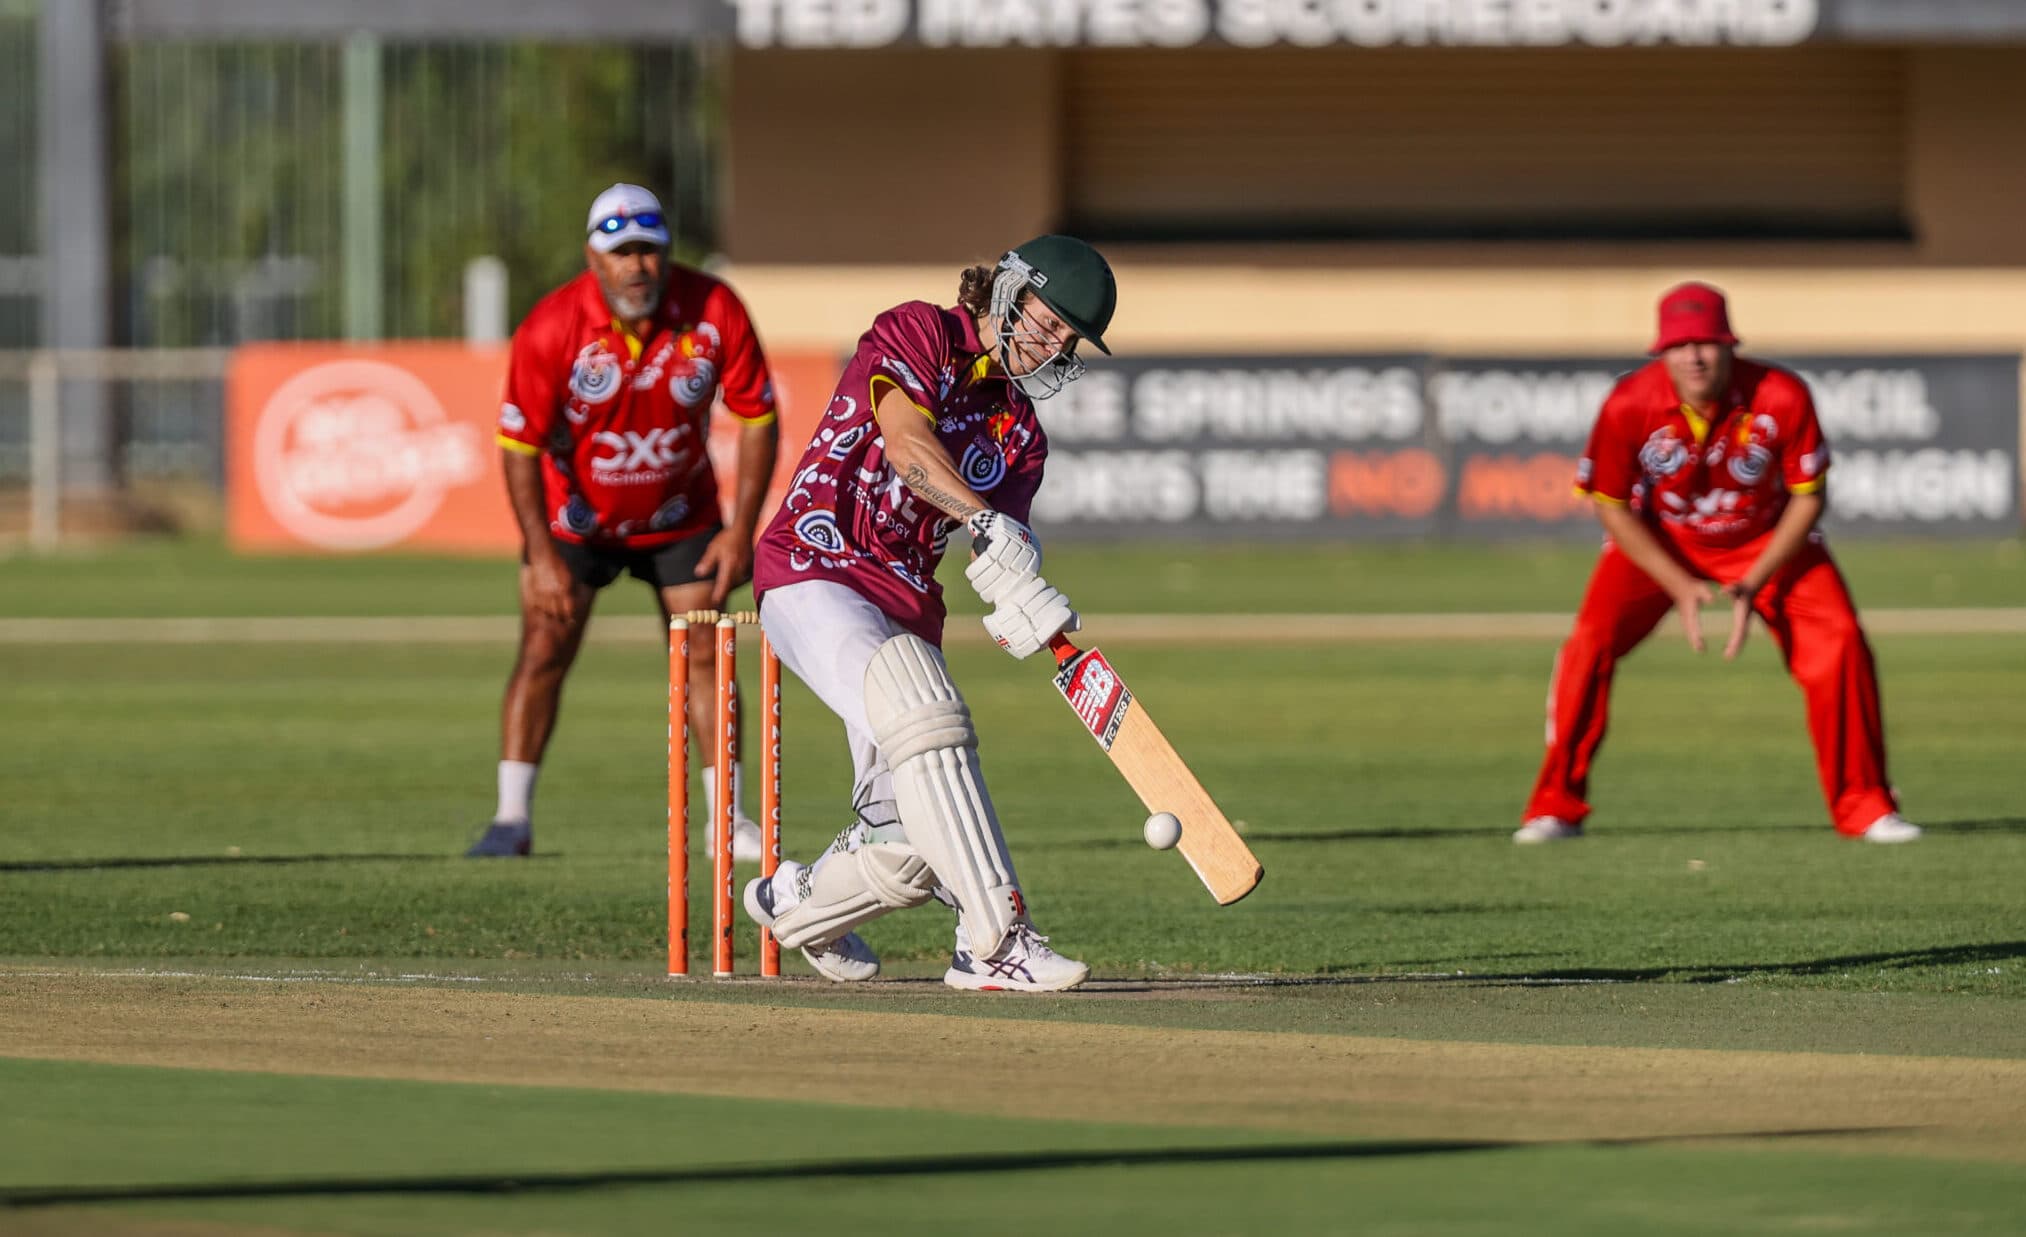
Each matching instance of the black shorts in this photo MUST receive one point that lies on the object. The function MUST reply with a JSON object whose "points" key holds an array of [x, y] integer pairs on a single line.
{"points": [[661, 566]]}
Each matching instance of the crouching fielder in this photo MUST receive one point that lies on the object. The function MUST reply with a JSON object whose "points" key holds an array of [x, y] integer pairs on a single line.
{"points": [[932, 426]]}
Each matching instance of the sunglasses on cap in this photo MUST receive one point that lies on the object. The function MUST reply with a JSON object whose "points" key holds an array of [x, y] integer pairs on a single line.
{"points": [[613, 223]]}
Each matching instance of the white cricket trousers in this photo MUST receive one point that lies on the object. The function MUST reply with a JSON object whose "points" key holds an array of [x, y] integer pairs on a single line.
{"points": [[827, 634]]}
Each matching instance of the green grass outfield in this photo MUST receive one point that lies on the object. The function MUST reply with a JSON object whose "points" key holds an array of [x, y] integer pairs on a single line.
{"points": [[318, 794], [299, 807], [200, 578]]}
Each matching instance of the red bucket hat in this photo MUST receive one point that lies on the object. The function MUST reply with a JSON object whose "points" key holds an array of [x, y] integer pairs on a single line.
{"points": [[1693, 313]]}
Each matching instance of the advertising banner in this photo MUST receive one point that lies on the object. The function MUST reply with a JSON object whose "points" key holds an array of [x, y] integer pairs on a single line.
{"points": [[1245, 446], [1921, 443], [342, 449], [1481, 448]]}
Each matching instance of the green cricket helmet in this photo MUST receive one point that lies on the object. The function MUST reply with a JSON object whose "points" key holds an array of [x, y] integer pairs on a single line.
{"points": [[1069, 277]]}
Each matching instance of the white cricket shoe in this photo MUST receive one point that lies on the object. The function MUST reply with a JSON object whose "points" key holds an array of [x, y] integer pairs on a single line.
{"points": [[846, 960], [745, 841], [1546, 829], [1024, 963], [1891, 828]]}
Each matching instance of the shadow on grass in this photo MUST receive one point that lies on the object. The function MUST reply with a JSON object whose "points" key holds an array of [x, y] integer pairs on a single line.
{"points": [[2003, 824], [1125, 840], [1940, 955], [1711, 973], [1479, 833], [993, 1164], [1503, 832], [2011, 824], [223, 861], [1996, 825]]}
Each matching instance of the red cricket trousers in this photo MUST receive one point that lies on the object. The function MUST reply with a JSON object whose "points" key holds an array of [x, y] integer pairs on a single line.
{"points": [[1808, 611]]}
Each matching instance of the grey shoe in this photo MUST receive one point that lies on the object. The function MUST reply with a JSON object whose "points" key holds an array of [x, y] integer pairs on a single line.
{"points": [[846, 960], [503, 839]]}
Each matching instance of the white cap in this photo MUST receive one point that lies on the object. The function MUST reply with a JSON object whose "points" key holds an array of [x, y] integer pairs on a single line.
{"points": [[627, 201]]}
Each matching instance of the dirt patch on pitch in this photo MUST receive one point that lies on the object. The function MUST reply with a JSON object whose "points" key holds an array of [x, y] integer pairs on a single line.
{"points": [[1342, 1086]]}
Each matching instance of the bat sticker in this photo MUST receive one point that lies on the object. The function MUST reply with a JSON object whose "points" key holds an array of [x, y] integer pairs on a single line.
{"points": [[1095, 692]]}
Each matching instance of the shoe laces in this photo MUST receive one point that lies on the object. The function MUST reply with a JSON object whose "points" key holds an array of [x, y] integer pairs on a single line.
{"points": [[1035, 942], [1021, 940]]}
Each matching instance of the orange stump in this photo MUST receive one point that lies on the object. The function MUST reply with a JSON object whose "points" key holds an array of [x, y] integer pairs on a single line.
{"points": [[722, 806], [678, 797], [722, 744], [770, 791]]}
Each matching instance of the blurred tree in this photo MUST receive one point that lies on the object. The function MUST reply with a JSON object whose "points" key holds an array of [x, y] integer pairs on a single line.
{"points": [[226, 180], [18, 144], [229, 164]]}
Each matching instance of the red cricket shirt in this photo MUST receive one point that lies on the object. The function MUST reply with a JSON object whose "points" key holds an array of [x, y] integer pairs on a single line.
{"points": [[621, 422], [1720, 482]]}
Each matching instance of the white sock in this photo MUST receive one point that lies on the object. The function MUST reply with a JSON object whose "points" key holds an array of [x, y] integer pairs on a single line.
{"points": [[710, 789], [516, 788]]}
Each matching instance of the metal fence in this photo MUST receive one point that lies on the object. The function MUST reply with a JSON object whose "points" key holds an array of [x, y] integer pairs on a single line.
{"points": [[165, 411], [320, 188], [236, 169], [235, 163]]}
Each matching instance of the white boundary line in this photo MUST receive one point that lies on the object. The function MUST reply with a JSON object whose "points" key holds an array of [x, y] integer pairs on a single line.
{"points": [[1134, 628]]}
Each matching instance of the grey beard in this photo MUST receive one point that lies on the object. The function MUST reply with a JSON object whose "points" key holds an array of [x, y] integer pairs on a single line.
{"points": [[631, 307]]}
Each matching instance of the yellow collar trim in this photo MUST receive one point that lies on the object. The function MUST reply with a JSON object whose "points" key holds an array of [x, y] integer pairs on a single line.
{"points": [[1696, 424], [634, 344]]}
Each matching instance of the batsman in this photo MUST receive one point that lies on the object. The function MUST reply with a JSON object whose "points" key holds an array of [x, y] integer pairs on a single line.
{"points": [[932, 427]]}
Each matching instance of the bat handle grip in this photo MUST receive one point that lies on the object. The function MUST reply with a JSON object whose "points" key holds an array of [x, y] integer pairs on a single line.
{"points": [[1059, 645]]}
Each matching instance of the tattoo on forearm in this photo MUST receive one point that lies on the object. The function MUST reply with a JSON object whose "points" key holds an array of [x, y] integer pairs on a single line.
{"points": [[917, 479]]}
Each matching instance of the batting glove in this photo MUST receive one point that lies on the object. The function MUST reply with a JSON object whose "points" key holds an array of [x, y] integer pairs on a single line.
{"points": [[1029, 615], [1005, 553]]}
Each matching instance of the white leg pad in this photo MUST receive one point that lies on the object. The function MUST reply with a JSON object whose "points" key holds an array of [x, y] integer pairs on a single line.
{"points": [[848, 888], [924, 733]]}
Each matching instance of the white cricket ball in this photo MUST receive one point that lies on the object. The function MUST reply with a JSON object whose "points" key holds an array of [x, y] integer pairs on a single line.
{"points": [[1163, 830]]}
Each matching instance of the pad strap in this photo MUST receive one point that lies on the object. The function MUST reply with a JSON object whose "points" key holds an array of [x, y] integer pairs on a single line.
{"points": [[848, 888]]}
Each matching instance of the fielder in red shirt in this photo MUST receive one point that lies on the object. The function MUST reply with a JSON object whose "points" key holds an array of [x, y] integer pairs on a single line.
{"points": [[603, 431], [1709, 468]]}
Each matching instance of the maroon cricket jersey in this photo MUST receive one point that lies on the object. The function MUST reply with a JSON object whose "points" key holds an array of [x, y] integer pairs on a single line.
{"points": [[849, 519]]}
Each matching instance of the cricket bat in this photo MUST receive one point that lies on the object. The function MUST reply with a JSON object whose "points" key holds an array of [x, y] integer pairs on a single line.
{"points": [[1106, 707]]}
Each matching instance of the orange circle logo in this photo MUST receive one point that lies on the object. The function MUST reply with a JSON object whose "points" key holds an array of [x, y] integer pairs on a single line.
{"points": [[355, 455]]}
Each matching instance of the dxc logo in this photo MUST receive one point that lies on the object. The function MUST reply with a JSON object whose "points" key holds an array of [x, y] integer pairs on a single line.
{"points": [[631, 452]]}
